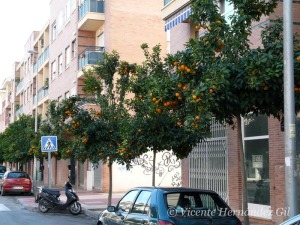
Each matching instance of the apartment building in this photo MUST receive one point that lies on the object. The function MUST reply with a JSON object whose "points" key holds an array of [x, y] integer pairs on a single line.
{"points": [[75, 37], [263, 138]]}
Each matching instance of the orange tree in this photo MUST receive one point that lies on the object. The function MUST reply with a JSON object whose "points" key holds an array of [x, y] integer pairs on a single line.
{"points": [[16, 141], [154, 125], [57, 124], [224, 73], [94, 122]]}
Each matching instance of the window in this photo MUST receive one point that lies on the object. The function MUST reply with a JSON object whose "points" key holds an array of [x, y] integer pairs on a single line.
{"points": [[141, 205], [67, 11], [126, 203], [54, 31], [100, 40], [256, 144], [67, 95], [60, 21], [67, 56], [60, 63], [73, 5], [73, 49], [226, 9], [53, 70]]}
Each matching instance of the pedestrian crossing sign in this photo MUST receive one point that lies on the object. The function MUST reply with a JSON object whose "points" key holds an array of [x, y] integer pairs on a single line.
{"points": [[49, 143]]}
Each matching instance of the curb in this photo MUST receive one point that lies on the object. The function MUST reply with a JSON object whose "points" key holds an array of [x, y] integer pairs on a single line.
{"points": [[88, 212]]}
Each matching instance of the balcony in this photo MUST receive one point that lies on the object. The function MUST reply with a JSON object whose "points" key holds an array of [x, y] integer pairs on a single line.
{"points": [[43, 92], [19, 111], [91, 15], [20, 85], [41, 59], [91, 56]]}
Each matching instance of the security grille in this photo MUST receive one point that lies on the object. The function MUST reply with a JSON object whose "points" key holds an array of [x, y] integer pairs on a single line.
{"points": [[208, 162]]}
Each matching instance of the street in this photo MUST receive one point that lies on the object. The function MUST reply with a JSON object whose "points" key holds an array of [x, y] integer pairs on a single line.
{"points": [[12, 213]]}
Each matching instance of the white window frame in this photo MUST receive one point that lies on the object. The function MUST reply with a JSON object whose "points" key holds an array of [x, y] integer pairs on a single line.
{"points": [[53, 31], [67, 56], [60, 64], [53, 70]]}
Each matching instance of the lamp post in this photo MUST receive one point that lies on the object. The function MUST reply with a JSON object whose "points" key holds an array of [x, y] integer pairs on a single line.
{"points": [[33, 52]]}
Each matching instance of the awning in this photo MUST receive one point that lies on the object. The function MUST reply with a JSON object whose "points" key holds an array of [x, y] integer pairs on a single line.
{"points": [[178, 18]]}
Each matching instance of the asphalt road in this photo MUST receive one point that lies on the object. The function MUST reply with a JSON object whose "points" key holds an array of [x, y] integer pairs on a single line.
{"points": [[12, 213]]}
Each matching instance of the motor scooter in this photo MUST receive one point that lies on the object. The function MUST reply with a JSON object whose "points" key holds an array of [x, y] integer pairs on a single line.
{"points": [[49, 199]]}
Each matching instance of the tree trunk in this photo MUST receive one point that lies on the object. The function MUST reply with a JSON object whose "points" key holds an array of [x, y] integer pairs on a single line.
{"points": [[153, 168], [110, 183], [243, 173]]}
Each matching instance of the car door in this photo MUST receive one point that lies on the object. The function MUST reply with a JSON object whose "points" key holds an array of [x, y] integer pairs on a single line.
{"points": [[140, 210], [123, 208]]}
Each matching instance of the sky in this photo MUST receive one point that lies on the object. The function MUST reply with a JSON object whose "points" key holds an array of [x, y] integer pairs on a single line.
{"points": [[18, 19]]}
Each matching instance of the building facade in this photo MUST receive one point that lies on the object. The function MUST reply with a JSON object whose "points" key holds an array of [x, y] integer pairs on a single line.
{"points": [[75, 38], [214, 164]]}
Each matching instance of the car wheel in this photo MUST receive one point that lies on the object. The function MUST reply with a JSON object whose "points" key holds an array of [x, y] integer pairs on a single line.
{"points": [[75, 208], [42, 206]]}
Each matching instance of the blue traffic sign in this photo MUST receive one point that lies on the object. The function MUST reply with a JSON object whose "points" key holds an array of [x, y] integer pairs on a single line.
{"points": [[49, 143]]}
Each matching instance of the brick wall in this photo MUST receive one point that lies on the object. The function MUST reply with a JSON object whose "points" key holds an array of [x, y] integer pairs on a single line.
{"points": [[234, 171], [276, 165]]}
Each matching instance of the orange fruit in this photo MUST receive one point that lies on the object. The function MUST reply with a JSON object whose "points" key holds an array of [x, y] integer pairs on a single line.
{"points": [[197, 117], [179, 123], [197, 27], [179, 85], [182, 67], [195, 97], [154, 99], [211, 90], [175, 63], [177, 94]]}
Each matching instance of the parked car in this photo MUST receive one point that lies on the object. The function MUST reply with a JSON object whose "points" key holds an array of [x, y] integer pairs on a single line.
{"points": [[169, 206], [15, 182], [292, 221], [2, 171]]}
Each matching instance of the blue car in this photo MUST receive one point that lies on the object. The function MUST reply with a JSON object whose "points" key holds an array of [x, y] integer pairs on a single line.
{"points": [[292, 221], [169, 206]]}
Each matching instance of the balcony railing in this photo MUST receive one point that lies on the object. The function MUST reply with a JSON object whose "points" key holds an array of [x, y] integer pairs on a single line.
{"points": [[167, 2], [90, 6], [19, 111], [42, 58], [91, 56], [20, 85], [42, 93]]}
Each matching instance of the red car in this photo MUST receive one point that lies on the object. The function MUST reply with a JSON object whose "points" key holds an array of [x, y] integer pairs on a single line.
{"points": [[15, 182]]}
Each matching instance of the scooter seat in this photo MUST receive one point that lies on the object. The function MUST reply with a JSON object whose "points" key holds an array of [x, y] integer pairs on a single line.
{"points": [[55, 192]]}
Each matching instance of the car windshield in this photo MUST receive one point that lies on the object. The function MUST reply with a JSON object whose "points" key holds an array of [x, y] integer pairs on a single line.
{"points": [[2, 169], [209, 203], [17, 175]]}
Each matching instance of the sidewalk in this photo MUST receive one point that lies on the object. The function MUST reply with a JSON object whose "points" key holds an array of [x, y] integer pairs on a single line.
{"points": [[92, 203]]}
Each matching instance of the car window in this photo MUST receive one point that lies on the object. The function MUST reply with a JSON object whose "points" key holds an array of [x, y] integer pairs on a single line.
{"points": [[126, 202], [17, 175], [195, 200], [2, 169], [141, 205]]}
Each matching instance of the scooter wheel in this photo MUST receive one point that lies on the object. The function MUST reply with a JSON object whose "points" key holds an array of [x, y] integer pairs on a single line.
{"points": [[75, 208], [42, 206]]}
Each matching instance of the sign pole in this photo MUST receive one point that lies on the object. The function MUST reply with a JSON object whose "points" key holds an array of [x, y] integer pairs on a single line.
{"points": [[49, 144], [49, 170]]}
